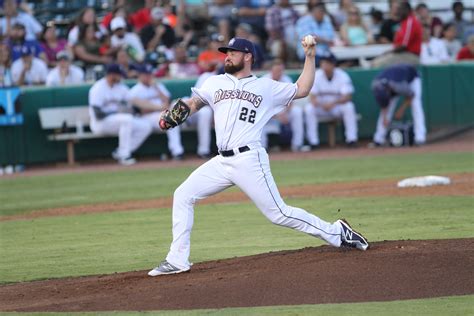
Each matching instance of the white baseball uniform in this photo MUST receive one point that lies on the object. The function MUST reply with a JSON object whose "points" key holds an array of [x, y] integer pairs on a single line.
{"points": [[296, 119], [131, 131], [326, 91], [151, 93], [202, 120], [241, 107]]}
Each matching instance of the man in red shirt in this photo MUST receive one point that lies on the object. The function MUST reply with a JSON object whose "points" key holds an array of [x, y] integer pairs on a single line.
{"points": [[407, 41], [467, 52], [410, 35]]}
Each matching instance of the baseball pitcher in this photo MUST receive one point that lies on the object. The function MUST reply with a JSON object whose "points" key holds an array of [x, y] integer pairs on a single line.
{"points": [[242, 105]]}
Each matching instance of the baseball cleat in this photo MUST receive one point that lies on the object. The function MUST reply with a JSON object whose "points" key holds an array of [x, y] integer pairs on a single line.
{"points": [[166, 268], [351, 238]]}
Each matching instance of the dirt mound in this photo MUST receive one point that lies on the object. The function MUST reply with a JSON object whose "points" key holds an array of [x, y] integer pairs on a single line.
{"points": [[390, 270]]}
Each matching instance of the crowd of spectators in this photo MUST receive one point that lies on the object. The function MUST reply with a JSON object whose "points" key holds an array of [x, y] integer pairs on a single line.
{"points": [[179, 40]]}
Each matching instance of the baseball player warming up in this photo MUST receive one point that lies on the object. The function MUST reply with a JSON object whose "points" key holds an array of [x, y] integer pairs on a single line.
{"points": [[242, 105]]}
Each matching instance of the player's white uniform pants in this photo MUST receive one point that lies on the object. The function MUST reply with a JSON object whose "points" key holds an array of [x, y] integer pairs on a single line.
{"points": [[174, 134], [417, 114], [295, 116], [203, 121], [250, 171], [131, 131], [345, 110]]}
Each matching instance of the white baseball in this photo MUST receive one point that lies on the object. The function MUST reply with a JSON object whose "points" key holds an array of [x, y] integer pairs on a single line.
{"points": [[309, 40]]}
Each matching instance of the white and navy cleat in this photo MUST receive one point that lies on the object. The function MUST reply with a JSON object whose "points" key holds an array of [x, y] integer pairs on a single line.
{"points": [[166, 268], [351, 238]]}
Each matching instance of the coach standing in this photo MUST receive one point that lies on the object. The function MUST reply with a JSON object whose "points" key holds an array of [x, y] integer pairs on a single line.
{"points": [[388, 86]]}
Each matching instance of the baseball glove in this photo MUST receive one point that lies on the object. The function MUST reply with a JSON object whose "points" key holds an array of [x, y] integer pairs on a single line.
{"points": [[175, 116]]}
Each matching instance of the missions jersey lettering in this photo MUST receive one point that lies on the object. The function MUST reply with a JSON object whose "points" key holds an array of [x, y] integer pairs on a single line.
{"points": [[254, 99]]}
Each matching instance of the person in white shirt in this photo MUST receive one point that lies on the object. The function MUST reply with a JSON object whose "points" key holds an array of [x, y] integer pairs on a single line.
{"points": [[111, 114], [130, 41], [453, 45], [12, 16], [29, 70], [64, 73], [331, 95], [292, 114], [203, 120], [158, 98], [433, 50]]}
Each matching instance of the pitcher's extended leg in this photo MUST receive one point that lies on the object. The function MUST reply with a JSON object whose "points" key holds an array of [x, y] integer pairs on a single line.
{"points": [[208, 179]]}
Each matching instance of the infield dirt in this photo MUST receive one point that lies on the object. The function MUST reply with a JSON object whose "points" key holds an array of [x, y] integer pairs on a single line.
{"points": [[390, 270]]}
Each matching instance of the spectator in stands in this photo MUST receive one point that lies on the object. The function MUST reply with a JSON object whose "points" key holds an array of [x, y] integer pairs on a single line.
{"points": [[6, 79], [88, 46], [354, 32], [220, 12], [244, 30], [64, 73], [376, 19], [29, 70], [117, 11], [453, 45], [435, 24], [433, 49], [86, 17], [388, 86], [51, 44], [390, 25], [141, 18], [127, 40], [181, 67], [18, 40], [467, 52], [291, 119], [407, 41], [157, 99], [280, 22], [111, 114], [129, 68], [343, 12], [253, 13], [331, 96], [318, 24], [211, 59], [157, 33], [459, 21], [12, 16]]}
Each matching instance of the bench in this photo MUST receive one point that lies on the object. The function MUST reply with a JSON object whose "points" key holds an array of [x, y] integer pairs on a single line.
{"points": [[68, 125], [332, 127]]}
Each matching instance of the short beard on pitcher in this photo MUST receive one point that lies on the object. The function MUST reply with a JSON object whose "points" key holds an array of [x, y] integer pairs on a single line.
{"points": [[232, 69]]}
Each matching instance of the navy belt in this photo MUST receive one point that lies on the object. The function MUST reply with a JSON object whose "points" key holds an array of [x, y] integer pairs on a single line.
{"points": [[230, 153]]}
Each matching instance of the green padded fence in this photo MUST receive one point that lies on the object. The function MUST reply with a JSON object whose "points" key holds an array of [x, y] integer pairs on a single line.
{"points": [[448, 100]]}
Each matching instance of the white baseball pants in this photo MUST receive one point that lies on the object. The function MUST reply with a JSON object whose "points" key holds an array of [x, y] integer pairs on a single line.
{"points": [[174, 134], [250, 171], [203, 121], [132, 132], [345, 110], [417, 114]]}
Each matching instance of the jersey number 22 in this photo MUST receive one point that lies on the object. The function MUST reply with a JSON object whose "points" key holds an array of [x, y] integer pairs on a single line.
{"points": [[245, 116]]}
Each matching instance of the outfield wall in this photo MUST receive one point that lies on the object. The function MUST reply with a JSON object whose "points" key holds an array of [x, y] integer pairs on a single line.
{"points": [[448, 100]]}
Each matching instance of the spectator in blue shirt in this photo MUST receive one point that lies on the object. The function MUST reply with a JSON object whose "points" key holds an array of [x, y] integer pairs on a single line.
{"points": [[253, 12], [17, 41], [318, 24]]}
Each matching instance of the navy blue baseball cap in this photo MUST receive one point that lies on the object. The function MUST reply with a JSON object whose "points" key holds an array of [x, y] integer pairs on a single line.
{"points": [[381, 92], [145, 69], [26, 50], [114, 69], [328, 56], [240, 45]]}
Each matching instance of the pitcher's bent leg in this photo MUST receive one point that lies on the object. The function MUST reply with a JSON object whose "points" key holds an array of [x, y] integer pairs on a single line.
{"points": [[264, 193], [207, 180]]}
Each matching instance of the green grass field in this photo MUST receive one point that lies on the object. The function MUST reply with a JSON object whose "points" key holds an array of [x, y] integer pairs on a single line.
{"points": [[54, 247]]}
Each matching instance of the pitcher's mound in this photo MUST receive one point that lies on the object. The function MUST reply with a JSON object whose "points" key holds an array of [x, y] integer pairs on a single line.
{"points": [[390, 270]]}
